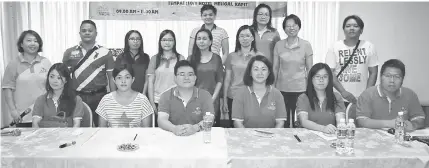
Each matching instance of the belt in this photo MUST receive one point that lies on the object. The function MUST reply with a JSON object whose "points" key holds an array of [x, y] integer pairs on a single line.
{"points": [[103, 89]]}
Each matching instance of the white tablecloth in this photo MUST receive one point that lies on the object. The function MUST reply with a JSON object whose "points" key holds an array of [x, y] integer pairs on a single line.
{"points": [[97, 147]]}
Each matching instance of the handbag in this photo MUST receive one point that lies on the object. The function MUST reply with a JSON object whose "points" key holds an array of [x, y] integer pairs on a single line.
{"points": [[60, 120], [350, 59]]}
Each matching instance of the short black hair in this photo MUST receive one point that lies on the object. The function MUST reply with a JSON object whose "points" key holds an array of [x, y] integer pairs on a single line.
{"points": [[393, 63], [183, 63], [88, 22], [22, 36], [208, 7], [294, 18], [120, 67], [359, 21], [247, 78]]}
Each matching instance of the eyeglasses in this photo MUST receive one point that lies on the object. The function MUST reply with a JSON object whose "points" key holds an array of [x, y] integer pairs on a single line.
{"points": [[167, 40], [134, 39], [291, 26], [395, 77], [324, 77], [245, 36], [264, 14], [183, 74]]}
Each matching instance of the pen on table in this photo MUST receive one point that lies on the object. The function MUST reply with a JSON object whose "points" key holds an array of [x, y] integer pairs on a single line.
{"points": [[68, 144], [297, 138], [135, 137]]}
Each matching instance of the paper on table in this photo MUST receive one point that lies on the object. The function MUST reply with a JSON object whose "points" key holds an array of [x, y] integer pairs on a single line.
{"points": [[421, 132], [322, 135]]}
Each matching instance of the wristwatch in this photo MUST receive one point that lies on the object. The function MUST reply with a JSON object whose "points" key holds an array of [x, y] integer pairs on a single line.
{"points": [[200, 127]]}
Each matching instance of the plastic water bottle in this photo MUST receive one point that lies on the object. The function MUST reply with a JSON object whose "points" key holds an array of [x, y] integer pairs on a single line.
{"points": [[399, 128], [341, 137], [351, 129], [207, 126]]}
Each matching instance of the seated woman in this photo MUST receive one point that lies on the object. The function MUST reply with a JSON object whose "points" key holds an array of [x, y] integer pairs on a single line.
{"points": [[320, 108], [60, 106], [259, 104], [124, 107]]}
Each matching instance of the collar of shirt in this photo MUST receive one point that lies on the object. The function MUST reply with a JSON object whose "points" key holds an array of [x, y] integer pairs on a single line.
{"points": [[381, 94], [49, 96], [195, 91], [294, 45], [38, 58], [214, 27], [163, 58], [269, 88], [96, 45], [261, 32]]}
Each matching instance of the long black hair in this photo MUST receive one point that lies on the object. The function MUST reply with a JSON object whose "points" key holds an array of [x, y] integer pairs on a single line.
{"points": [[144, 58], [331, 101], [67, 99], [196, 52], [255, 14], [237, 41], [161, 51]]}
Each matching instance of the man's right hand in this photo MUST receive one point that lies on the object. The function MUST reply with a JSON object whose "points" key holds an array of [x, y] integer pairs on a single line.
{"points": [[349, 97], [15, 116], [179, 130]]}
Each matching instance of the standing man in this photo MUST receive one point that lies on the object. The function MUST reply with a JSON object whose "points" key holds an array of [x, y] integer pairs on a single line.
{"points": [[220, 36], [91, 66]]}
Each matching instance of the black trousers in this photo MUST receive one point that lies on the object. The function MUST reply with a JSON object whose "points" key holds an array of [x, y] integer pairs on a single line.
{"points": [[290, 99], [92, 100], [231, 123]]}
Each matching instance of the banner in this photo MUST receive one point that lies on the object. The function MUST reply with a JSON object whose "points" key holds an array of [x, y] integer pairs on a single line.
{"points": [[177, 10]]}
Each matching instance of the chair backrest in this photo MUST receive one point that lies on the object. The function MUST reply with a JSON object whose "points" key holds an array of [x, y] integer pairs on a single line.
{"points": [[87, 116], [351, 112]]}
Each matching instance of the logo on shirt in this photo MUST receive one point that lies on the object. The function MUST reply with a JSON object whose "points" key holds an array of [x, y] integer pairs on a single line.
{"points": [[75, 54], [43, 70], [272, 106], [353, 72], [197, 111]]}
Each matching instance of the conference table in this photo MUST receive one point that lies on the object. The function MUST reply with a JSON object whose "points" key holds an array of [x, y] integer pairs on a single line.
{"points": [[230, 148]]}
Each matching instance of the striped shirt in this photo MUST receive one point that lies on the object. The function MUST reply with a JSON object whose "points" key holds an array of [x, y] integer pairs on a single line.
{"points": [[218, 35], [118, 115], [91, 75]]}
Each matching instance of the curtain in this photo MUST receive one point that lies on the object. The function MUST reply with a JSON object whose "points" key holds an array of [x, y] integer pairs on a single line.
{"points": [[319, 24], [58, 24]]}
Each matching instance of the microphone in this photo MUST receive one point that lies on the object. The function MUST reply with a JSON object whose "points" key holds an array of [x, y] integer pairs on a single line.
{"points": [[15, 132], [28, 110], [422, 139]]}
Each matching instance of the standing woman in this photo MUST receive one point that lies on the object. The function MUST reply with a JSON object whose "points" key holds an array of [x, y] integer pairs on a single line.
{"points": [[161, 68], [236, 63], [320, 108], [293, 58], [352, 83], [134, 55], [267, 36], [25, 77], [209, 68]]}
